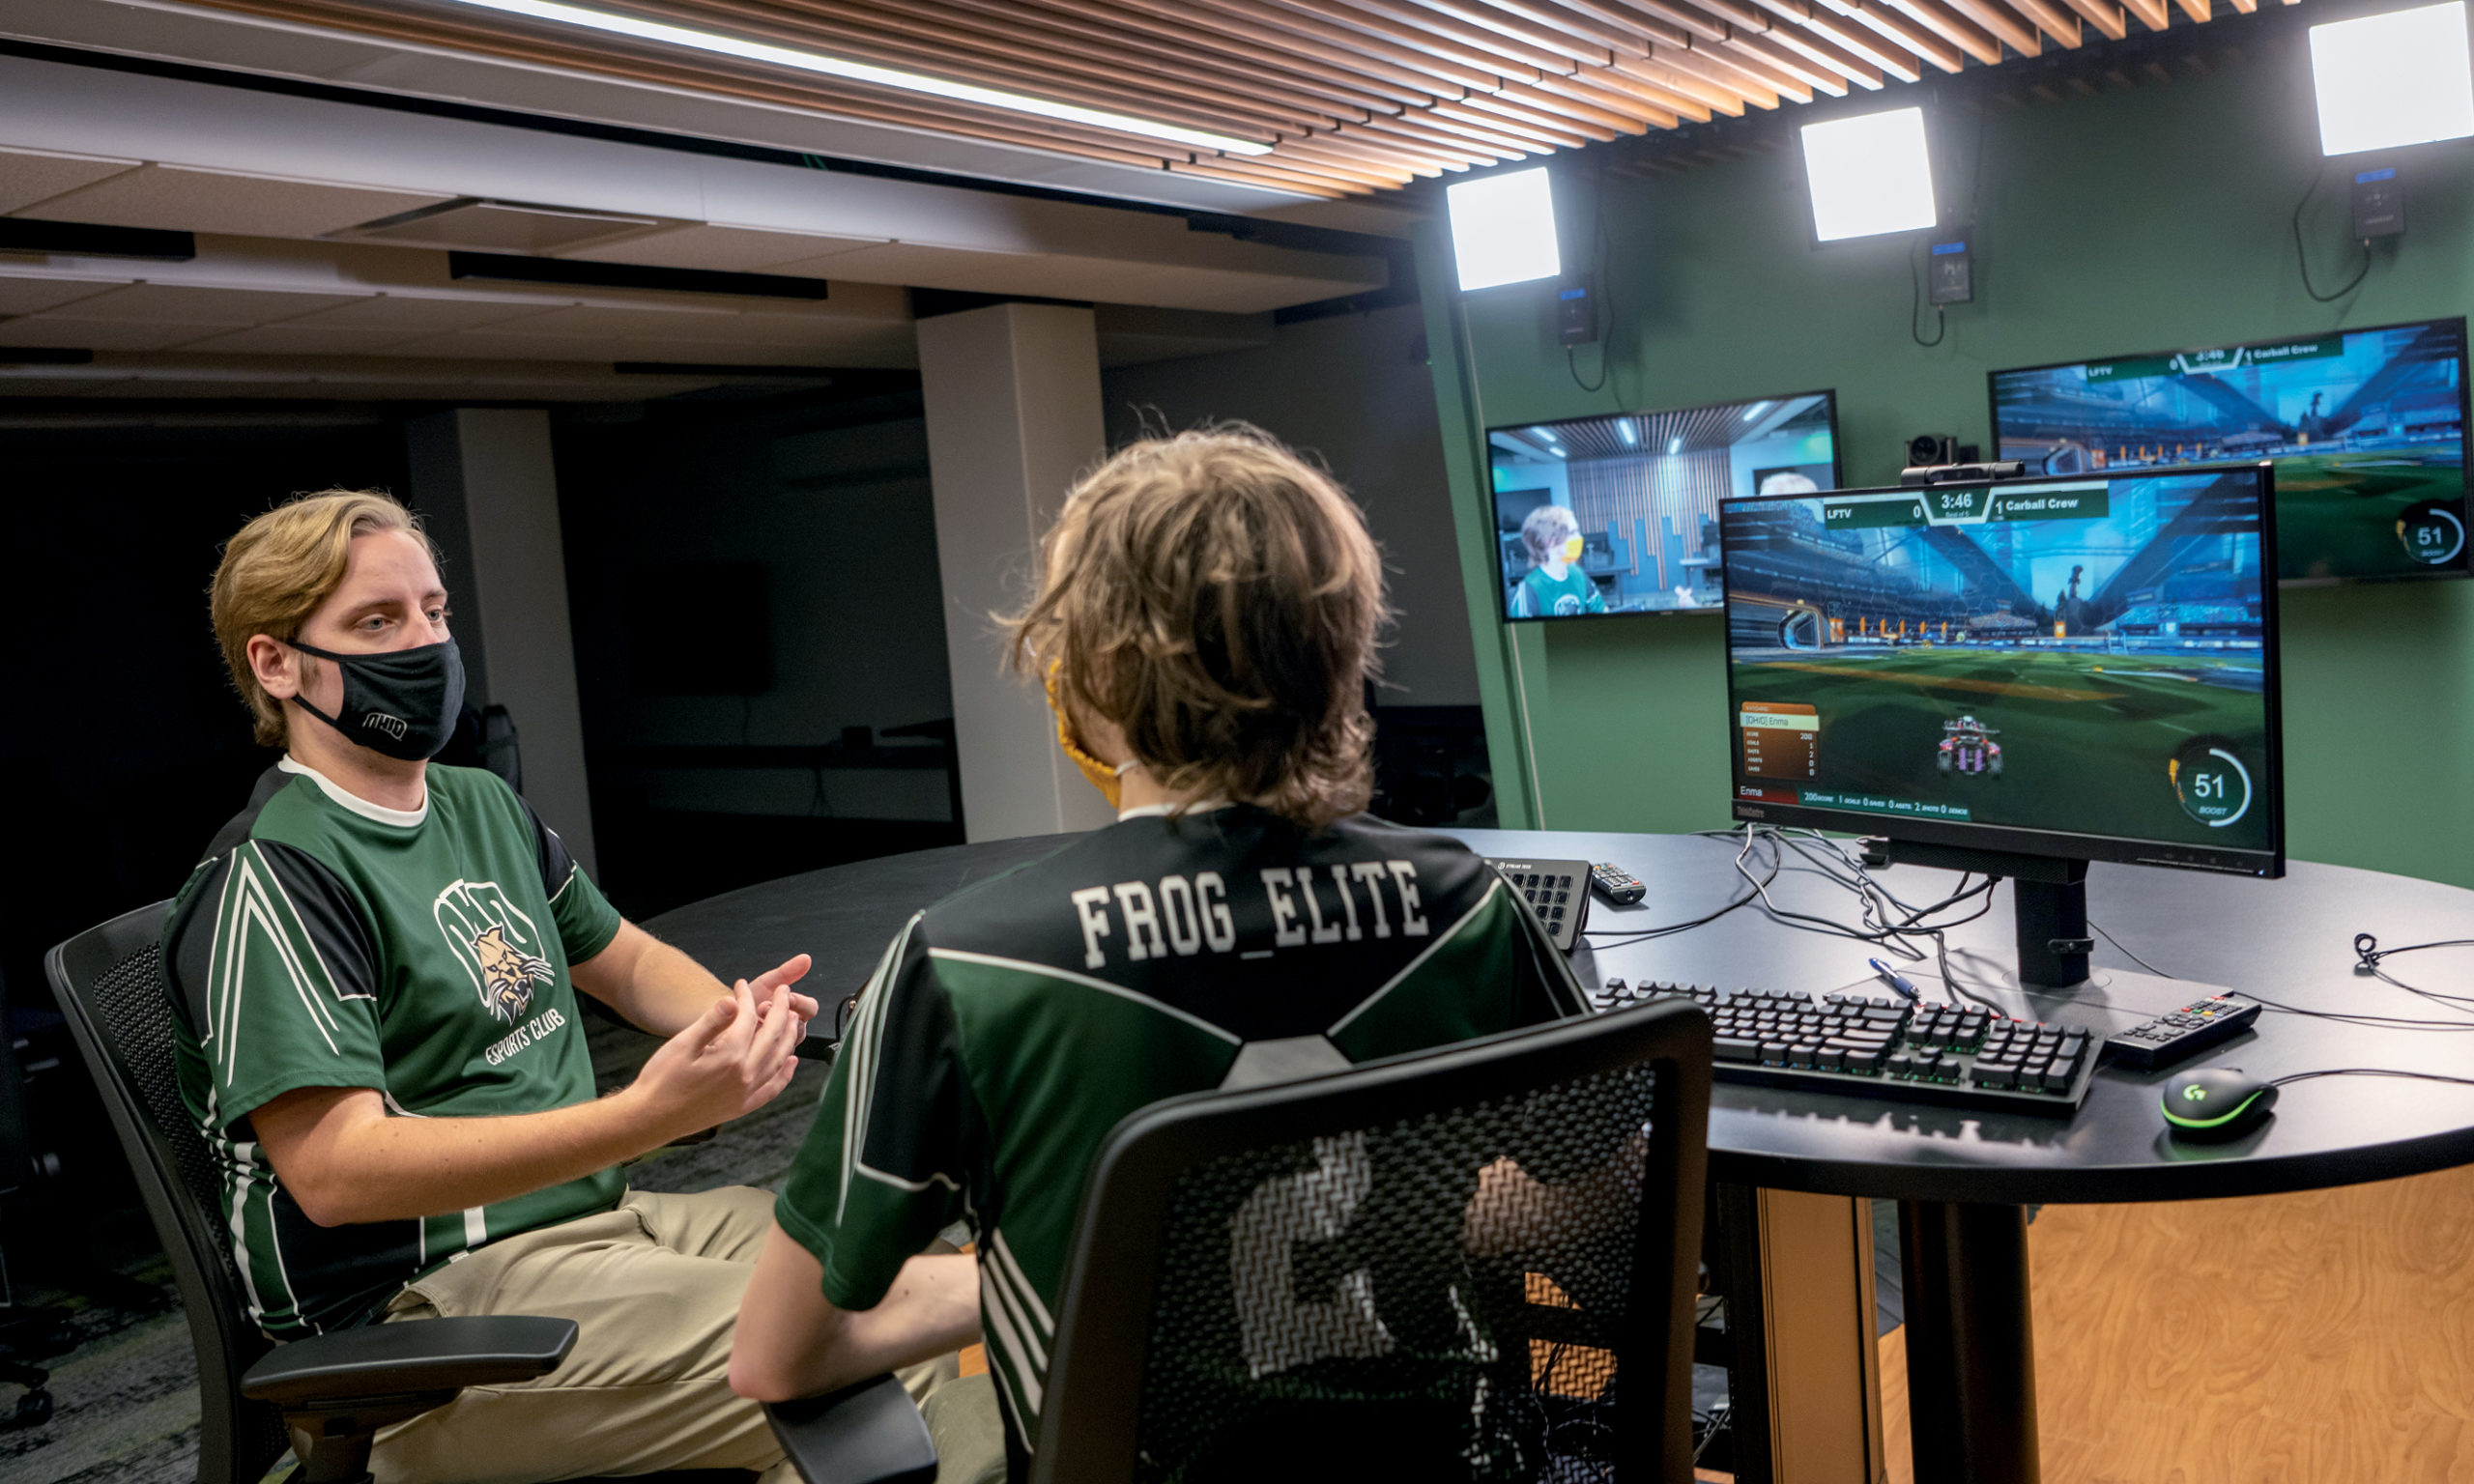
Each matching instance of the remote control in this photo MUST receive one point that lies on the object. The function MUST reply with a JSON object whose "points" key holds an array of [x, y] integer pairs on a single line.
{"points": [[2178, 1036], [1620, 887]]}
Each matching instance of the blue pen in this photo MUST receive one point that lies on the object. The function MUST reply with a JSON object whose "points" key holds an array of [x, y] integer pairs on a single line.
{"points": [[1891, 978]]}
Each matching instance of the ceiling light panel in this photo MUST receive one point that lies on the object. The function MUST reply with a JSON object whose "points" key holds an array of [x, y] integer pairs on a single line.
{"points": [[2383, 82], [867, 72], [1869, 175], [1503, 229]]}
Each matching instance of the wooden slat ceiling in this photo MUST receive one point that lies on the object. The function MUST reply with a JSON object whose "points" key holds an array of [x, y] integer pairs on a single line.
{"points": [[1351, 96]]}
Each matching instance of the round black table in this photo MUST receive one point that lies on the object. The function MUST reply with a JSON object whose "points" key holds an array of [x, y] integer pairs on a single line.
{"points": [[1964, 1177]]}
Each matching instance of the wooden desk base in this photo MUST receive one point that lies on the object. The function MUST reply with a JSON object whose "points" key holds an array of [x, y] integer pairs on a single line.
{"points": [[2326, 1336]]}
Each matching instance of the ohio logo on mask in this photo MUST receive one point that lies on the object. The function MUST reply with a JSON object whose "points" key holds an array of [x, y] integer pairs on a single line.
{"points": [[393, 726], [498, 945]]}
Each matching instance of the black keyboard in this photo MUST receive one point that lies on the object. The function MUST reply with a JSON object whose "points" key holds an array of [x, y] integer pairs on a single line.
{"points": [[1873, 1046]]}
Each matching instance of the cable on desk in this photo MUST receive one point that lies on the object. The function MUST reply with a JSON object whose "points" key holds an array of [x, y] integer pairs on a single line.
{"points": [[1871, 897], [2360, 1018], [1619, 937], [2368, 954], [2127, 954], [2369, 1072]]}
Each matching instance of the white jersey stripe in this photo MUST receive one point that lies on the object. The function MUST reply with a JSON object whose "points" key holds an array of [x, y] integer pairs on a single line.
{"points": [[1414, 964], [859, 1087], [1002, 1289], [334, 986], [1011, 1349], [1021, 1283], [897, 1183]]}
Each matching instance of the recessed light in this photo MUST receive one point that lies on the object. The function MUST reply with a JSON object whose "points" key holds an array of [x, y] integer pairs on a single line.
{"points": [[1675, 445], [867, 71], [1755, 411]]}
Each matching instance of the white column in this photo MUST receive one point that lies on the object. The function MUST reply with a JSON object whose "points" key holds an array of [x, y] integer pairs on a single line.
{"points": [[483, 481], [1013, 398]]}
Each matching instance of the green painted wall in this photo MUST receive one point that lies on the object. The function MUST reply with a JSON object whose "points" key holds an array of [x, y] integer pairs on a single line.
{"points": [[2124, 222]]}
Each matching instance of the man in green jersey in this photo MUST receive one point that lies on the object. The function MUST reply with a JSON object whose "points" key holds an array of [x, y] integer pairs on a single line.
{"points": [[1555, 588], [1206, 620], [375, 971]]}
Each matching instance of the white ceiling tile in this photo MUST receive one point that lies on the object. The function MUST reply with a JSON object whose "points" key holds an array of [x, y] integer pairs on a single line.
{"points": [[728, 249], [914, 263], [180, 303], [603, 319], [504, 345], [179, 198], [96, 334], [29, 175], [290, 339], [413, 312], [27, 295], [787, 330]]}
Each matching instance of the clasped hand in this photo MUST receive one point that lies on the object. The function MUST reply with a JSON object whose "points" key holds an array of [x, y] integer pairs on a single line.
{"points": [[733, 1059]]}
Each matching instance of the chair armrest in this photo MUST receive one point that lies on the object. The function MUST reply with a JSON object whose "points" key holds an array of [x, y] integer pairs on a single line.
{"points": [[430, 1354], [868, 1434]]}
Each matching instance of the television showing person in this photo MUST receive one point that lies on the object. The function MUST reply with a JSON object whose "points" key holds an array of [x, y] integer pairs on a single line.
{"points": [[1554, 586]]}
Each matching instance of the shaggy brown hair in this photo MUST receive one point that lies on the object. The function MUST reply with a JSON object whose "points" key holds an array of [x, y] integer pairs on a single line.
{"points": [[279, 567], [1217, 598]]}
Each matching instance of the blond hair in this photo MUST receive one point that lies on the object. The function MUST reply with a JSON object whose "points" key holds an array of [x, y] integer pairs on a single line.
{"points": [[279, 567], [1217, 598], [1547, 528]]}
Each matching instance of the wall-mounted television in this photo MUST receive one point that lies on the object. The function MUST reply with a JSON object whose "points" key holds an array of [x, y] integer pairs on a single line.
{"points": [[1619, 513], [2367, 429]]}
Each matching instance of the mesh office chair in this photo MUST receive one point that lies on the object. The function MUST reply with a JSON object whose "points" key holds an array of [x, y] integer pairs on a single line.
{"points": [[333, 1391], [1466, 1263], [1473, 1263], [327, 1396]]}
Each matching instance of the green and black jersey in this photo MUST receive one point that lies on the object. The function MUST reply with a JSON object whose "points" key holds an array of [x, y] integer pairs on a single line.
{"points": [[1010, 1027], [326, 941]]}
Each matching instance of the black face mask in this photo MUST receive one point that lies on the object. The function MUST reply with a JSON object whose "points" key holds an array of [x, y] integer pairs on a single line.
{"points": [[403, 702]]}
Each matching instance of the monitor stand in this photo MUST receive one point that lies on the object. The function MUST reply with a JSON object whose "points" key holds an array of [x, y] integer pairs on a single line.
{"points": [[2049, 896]]}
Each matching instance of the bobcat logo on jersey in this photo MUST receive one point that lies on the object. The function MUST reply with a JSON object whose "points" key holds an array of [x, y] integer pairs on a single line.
{"points": [[498, 944]]}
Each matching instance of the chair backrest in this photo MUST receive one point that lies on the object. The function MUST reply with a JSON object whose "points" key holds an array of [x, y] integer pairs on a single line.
{"points": [[109, 981], [1473, 1263]]}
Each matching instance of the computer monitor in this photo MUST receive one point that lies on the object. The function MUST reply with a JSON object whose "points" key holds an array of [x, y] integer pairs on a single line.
{"points": [[2367, 429], [2016, 678], [1639, 491]]}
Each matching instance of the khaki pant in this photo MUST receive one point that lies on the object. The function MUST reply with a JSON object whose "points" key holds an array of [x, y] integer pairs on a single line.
{"points": [[654, 1290]]}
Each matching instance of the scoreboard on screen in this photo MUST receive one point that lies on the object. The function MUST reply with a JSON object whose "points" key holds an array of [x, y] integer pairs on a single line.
{"points": [[1780, 740]]}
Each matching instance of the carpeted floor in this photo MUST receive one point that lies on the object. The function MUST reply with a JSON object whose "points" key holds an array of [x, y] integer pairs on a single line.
{"points": [[124, 1382]]}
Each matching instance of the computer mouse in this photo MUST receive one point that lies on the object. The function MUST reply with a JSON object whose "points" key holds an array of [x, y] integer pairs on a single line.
{"points": [[2216, 1103]]}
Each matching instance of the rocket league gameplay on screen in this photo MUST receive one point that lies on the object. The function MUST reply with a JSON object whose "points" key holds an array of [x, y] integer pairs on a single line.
{"points": [[2087, 656], [2366, 427]]}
